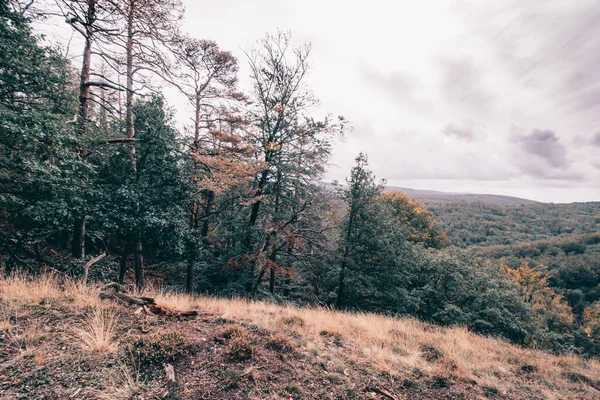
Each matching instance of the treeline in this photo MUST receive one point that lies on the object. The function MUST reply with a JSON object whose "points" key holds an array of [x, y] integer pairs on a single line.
{"points": [[556, 247], [486, 224], [97, 182]]}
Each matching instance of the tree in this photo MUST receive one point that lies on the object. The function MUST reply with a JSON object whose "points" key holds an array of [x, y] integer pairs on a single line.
{"points": [[88, 18], [143, 29], [419, 220], [39, 167], [207, 76], [150, 204], [552, 314], [360, 197], [292, 145]]}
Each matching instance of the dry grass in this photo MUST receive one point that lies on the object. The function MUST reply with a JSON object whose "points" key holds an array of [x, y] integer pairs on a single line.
{"points": [[82, 296], [22, 289], [27, 340], [124, 385], [98, 330], [175, 301], [393, 345], [397, 346]]}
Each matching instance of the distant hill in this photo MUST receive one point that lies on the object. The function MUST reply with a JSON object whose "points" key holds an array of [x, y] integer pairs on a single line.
{"points": [[437, 197]]}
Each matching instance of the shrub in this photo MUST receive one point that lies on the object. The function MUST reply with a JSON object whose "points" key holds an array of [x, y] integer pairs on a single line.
{"points": [[293, 321], [157, 348], [232, 330], [430, 353], [280, 343], [240, 348]]}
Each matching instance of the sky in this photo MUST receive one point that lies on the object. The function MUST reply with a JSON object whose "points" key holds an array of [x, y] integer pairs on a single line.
{"points": [[498, 97]]}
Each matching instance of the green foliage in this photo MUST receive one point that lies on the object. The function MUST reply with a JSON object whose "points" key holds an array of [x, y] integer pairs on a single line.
{"points": [[384, 271], [454, 287], [40, 168]]}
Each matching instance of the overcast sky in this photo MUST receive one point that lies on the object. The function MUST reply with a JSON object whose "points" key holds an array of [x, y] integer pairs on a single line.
{"points": [[466, 96]]}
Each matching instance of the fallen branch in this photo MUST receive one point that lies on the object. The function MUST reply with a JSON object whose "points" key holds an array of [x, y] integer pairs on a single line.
{"points": [[87, 265]]}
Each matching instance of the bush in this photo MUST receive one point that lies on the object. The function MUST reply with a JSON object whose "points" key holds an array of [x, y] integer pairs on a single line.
{"points": [[157, 348], [240, 348], [280, 343], [232, 330]]}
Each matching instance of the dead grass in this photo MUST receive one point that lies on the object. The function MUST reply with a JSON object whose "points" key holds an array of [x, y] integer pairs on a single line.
{"points": [[97, 332], [397, 346], [394, 346], [124, 384], [27, 340], [22, 289]]}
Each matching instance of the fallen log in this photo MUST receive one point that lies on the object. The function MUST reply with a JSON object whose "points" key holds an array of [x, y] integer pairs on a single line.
{"points": [[148, 304]]}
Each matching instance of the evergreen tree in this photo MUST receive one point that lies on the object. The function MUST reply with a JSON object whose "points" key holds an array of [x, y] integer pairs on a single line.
{"points": [[40, 171]]}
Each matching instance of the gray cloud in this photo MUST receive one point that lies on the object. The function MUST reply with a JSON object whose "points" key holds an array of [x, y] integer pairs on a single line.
{"points": [[596, 140], [542, 155], [463, 131], [545, 145]]}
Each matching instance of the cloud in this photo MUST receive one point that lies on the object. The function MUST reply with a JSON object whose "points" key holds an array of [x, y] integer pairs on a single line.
{"points": [[541, 154], [545, 145], [596, 140], [464, 130]]}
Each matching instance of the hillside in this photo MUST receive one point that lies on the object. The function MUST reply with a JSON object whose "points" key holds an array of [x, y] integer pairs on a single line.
{"points": [[438, 197], [488, 224], [62, 341]]}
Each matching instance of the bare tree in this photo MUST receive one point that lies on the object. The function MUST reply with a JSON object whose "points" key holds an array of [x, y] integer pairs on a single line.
{"points": [[207, 76]]}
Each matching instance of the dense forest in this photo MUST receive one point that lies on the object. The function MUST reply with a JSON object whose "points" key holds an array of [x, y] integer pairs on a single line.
{"points": [[558, 244], [97, 182]]}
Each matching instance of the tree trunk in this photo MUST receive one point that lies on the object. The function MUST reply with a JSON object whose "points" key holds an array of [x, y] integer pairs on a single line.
{"points": [[339, 304], [288, 281], [139, 266], [189, 276], [129, 124], [272, 280], [129, 60], [78, 242], [86, 267], [256, 205], [122, 267], [210, 198], [259, 279]]}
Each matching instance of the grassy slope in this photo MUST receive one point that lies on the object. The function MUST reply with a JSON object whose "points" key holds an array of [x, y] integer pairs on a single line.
{"points": [[58, 341]]}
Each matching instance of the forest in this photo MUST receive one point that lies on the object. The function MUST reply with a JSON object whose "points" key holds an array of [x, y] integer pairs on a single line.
{"points": [[98, 182]]}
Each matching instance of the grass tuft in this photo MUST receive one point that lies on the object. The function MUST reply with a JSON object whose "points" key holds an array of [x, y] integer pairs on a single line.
{"points": [[124, 385], [98, 331]]}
